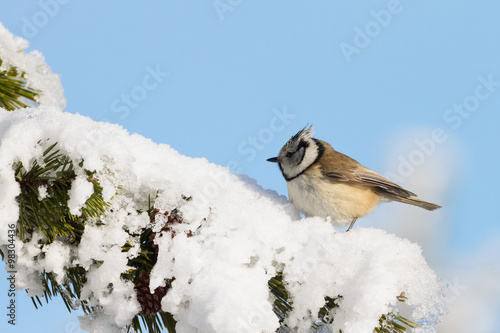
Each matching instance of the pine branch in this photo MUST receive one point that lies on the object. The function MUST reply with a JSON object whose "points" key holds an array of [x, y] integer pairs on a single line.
{"points": [[153, 319], [153, 323], [390, 323], [281, 305], [51, 215], [13, 89], [70, 290]]}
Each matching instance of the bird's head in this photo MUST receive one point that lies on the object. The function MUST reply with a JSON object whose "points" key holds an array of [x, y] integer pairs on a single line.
{"points": [[298, 153]]}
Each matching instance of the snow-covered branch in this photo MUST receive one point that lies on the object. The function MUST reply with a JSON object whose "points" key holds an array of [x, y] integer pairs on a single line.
{"points": [[234, 236]]}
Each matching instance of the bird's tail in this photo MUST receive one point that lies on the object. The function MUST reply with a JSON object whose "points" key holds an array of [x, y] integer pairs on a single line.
{"points": [[411, 201]]}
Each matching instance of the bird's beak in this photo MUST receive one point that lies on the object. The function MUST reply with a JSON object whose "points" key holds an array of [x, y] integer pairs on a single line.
{"points": [[273, 159]]}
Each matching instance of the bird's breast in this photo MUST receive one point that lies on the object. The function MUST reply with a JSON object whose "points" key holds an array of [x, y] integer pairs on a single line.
{"points": [[317, 196]]}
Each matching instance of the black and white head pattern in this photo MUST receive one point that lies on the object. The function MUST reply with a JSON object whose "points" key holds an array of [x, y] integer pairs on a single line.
{"points": [[299, 153]]}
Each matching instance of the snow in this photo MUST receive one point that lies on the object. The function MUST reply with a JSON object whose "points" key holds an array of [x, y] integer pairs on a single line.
{"points": [[242, 234], [80, 192], [42, 192]]}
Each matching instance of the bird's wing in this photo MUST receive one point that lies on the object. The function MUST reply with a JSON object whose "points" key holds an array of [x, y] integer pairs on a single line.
{"points": [[342, 168]]}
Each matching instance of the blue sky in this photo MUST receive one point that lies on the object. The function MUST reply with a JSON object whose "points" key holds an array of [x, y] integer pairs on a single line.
{"points": [[231, 81]]}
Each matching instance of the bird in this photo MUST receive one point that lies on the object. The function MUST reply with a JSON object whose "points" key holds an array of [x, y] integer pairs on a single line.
{"points": [[324, 182]]}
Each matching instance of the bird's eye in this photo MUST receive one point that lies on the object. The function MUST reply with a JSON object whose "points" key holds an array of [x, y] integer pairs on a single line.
{"points": [[289, 154]]}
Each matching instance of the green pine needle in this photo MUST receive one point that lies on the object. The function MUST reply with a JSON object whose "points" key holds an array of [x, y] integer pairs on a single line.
{"points": [[153, 323], [14, 89], [51, 215], [390, 323]]}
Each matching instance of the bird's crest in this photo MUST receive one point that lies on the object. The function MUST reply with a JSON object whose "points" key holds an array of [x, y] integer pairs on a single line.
{"points": [[304, 134]]}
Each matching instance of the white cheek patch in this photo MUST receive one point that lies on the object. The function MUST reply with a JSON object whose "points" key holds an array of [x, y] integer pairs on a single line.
{"points": [[310, 155]]}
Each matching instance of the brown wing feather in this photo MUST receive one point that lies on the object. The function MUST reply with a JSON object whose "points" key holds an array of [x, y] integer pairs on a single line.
{"points": [[341, 168]]}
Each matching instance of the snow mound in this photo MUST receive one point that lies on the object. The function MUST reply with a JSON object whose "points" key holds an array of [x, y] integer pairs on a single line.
{"points": [[38, 74], [243, 235]]}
